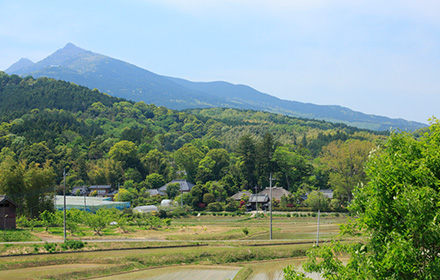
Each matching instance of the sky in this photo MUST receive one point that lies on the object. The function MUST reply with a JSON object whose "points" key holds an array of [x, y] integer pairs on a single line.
{"points": [[376, 57]]}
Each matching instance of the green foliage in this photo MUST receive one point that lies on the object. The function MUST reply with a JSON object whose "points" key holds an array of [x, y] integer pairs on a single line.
{"points": [[154, 181], [397, 212], [291, 274], [72, 245], [215, 207], [50, 247], [317, 201], [102, 140], [173, 190], [100, 220], [345, 161]]}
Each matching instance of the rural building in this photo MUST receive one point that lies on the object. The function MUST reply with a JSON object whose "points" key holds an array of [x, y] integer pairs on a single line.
{"points": [[261, 199], [239, 196], [185, 186], [102, 190], [277, 192], [80, 191], [8, 209], [153, 192]]}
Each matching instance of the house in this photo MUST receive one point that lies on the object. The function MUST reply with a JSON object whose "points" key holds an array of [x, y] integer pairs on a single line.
{"points": [[80, 191], [185, 186], [277, 192], [261, 199], [238, 196], [102, 190], [153, 192], [7, 213]]}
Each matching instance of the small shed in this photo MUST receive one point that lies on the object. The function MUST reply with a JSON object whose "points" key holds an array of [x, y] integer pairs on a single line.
{"points": [[8, 210]]}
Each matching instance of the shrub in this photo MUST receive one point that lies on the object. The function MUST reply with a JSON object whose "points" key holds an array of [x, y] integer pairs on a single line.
{"points": [[73, 245], [50, 247]]}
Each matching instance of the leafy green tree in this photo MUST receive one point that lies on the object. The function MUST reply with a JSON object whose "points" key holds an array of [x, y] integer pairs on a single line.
{"points": [[397, 212], [155, 162], [188, 158], [100, 220], [247, 151], [205, 169], [196, 196], [154, 181], [125, 152], [208, 198], [317, 201], [105, 171], [173, 190], [293, 166], [221, 159], [265, 163], [47, 219], [346, 162]]}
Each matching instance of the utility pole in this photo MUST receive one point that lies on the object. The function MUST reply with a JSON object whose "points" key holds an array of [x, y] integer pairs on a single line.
{"points": [[85, 203], [181, 199], [256, 200], [4, 228], [64, 209], [270, 205], [319, 212]]}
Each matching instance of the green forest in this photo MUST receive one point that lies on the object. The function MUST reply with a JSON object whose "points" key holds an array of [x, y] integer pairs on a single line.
{"points": [[47, 126]]}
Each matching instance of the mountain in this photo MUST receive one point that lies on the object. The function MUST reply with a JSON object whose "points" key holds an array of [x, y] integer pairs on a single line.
{"points": [[121, 79]]}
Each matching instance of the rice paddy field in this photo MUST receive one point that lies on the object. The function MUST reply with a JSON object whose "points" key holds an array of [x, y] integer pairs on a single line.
{"points": [[202, 247]]}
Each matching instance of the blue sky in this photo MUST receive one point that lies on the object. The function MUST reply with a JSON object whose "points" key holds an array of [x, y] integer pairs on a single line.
{"points": [[377, 57]]}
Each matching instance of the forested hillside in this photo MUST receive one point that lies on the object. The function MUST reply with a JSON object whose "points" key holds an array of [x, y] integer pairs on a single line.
{"points": [[48, 125], [128, 81]]}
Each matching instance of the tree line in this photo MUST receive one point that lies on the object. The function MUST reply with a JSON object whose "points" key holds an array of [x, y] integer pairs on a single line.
{"points": [[137, 146]]}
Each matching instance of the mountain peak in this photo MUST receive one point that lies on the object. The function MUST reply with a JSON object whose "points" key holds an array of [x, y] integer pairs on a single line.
{"points": [[22, 63], [71, 46]]}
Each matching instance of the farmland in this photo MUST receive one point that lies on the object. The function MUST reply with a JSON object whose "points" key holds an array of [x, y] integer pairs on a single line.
{"points": [[202, 241]]}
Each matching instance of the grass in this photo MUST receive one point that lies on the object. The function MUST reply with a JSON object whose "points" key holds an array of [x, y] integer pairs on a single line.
{"points": [[226, 243], [16, 235]]}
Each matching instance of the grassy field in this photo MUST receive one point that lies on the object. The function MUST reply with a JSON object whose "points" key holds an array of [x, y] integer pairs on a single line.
{"points": [[206, 240]]}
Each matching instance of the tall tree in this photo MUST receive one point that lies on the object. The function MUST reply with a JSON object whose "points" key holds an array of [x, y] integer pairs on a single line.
{"points": [[247, 151], [346, 161], [265, 164], [188, 158]]}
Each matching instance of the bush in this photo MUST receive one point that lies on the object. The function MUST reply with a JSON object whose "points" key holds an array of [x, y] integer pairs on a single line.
{"points": [[215, 207], [50, 247], [73, 245]]}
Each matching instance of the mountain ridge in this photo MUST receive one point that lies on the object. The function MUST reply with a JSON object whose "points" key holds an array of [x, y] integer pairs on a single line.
{"points": [[125, 80]]}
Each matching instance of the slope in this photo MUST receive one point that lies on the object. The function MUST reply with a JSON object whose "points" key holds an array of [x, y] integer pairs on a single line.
{"points": [[128, 81]]}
